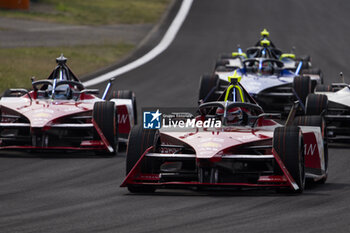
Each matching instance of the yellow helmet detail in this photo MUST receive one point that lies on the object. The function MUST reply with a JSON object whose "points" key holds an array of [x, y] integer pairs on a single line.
{"points": [[265, 42], [264, 33]]}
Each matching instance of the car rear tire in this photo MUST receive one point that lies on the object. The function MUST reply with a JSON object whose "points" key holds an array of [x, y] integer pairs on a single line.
{"points": [[226, 56], [105, 114], [314, 71], [7, 93], [139, 141], [221, 69], [302, 87], [126, 94], [324, 88], [221, 62], [316, 104], [288, 143], [306, 62], [226, 68], [305, 58], [207, 86], [319, 121]]}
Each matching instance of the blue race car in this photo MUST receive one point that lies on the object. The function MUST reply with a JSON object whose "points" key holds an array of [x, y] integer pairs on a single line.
{"points": [[267, 80], [265, 48]]}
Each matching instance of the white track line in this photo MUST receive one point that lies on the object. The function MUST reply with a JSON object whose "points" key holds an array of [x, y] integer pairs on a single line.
{"points": [[163, 45]]}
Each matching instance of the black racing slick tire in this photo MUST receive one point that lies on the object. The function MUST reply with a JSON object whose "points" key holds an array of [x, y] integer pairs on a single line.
{"points": [[139, 141], [302, 87], [318, 121], [225, 69], [305, 58], [221, 69], [7, 93], [314, 71], [316, 104], [324, 88], [288, 143], [221, 62], [126, 94], [105, 115], [306, 62], [207, 87], [225, 56]]}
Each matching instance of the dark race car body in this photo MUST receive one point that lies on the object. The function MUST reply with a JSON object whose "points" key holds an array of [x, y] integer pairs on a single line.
{"points": [[268, 74], [265, 48], [274, 87], [60, 114], [289, 60]]}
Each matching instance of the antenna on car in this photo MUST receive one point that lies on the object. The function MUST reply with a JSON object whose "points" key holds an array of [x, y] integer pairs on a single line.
{"points": [[61, 60], [341, 76], [264, 33], [293, 49]]}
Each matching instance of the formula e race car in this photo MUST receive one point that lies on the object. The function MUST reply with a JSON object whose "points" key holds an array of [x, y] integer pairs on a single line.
{"points": [[60, 114], [248, 150], [274, 87], [335, 98], [264, 48]]}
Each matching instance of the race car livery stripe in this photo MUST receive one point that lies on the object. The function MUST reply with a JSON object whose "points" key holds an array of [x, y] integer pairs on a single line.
{"points": [[247, 156], [14, 125], [103, 138], [160, 155], [87, 125], [135, 169], [292, 182]]}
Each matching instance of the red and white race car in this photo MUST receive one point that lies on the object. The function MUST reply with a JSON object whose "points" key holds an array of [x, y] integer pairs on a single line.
{"points": [[60, 114], [248, 150]]}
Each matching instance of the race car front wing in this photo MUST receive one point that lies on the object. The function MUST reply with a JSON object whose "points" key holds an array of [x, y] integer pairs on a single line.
{"points": [[176, 178]]}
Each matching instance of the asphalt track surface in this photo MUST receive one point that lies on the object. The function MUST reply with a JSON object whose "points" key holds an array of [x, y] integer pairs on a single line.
{"points": [[80, 193]]}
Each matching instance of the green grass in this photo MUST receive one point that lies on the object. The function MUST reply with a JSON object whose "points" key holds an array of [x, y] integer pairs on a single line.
{"points": [[92, 12], [18, 65]]}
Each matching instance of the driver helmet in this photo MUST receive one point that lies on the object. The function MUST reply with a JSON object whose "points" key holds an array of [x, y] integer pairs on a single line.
{"points": [[61, 92], [267, 68], [234, 115]]}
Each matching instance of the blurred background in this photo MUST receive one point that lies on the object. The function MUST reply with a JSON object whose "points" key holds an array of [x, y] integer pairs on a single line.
{"points": [[92, 34]]}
